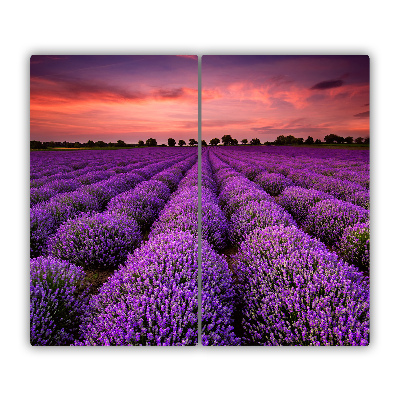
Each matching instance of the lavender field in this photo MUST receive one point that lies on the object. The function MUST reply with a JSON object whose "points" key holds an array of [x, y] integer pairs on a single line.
{"points": [[284, 247], [293, 227]]}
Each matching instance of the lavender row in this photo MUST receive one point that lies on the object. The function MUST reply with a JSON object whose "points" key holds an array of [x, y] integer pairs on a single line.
{"points": [[152, 298], [99, 242], [294, 291], [67, 182], [104, 240], [181, 215], [159, 286], [59, 302], [246, 204], [47, 164], [320, 214], [48, 216], [276, 177], [219, 298]]}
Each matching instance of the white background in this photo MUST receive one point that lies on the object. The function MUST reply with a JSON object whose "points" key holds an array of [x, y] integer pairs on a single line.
{"points": [[199, 27]]}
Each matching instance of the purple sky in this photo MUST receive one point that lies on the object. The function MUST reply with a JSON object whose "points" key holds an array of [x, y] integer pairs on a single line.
{"points": [[81, 98], [268, 96]]}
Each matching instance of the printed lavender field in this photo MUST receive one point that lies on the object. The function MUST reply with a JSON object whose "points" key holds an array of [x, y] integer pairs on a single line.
{"points": [[110, 262], [284, 259], [295, 223]]}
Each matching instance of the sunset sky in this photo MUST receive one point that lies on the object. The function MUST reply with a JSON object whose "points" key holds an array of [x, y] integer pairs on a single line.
{"points": [[81, 98], [268, 96], [110, 98]]}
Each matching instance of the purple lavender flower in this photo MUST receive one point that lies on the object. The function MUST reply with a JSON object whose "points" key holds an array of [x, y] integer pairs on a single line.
{"points": [[99, 240], [58, 302], [298, 201], [354, 245], [328, 219], [296, 292], [272, 183], [151, 300], [256, 215], [140, 206]]}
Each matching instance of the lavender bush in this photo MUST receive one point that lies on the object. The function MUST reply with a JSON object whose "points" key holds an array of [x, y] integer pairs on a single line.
{"points": [[58, 302], [273, 183], [328, 219], [98, 241], [296, 292], [151, 300], [298, 201], [256, 215], [354, 245], [44, 220], [142, 207]]}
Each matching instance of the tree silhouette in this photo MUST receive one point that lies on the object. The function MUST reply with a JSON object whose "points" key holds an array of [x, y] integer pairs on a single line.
{"points": [[309, 140], [181, 143], [348, 139], [227, 140], [151, 142], [255, 142], [359, 140], [214, 142], [171, 142]]}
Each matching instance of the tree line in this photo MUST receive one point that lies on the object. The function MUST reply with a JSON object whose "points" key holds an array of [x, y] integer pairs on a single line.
{"points": [[37, 144], [226, 140], [282, 140]]}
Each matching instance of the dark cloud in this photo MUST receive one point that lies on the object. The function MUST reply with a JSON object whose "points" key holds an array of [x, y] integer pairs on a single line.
{"points": [[327, 85], [67, 89], [170, 93], [364, 114], [82, 90]]}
